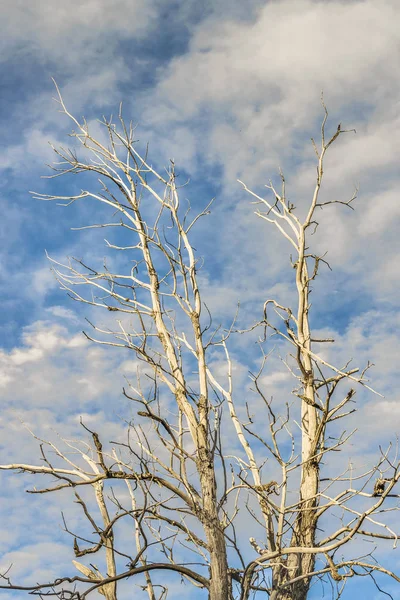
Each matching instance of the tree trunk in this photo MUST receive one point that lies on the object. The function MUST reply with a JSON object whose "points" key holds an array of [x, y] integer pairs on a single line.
{"points": [[219, 577], [305, 525], [219, 581], [304, 536]]}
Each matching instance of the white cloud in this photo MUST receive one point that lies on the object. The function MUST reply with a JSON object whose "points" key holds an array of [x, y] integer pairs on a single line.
{"points": [[43, 281], [20, 357], [74, 33], [38, 373], [259, 82], [34, 150], [275, 378], [28, 561], [63, 313]]}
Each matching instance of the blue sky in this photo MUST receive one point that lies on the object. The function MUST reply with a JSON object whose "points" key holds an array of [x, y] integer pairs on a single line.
{"points": [[229, 90]]}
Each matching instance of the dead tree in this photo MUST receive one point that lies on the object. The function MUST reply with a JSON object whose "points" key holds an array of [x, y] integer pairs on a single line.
{"points": [[186, 496]]}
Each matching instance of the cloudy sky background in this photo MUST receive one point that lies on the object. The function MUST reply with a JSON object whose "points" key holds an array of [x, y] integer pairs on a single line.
{"points": [[229, 90]]}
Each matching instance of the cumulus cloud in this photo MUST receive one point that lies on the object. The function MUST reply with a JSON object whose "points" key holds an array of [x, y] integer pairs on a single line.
{"points": [[38, 372], [72, 34], [261, 80]]}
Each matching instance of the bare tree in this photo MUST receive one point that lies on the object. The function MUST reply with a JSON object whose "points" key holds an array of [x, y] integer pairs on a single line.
{"points": [[184, 497]]}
